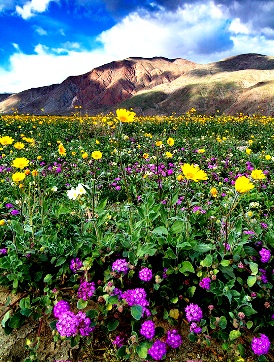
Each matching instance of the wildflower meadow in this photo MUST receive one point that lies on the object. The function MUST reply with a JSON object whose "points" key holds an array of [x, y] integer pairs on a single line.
{"points": [[132, 228]]}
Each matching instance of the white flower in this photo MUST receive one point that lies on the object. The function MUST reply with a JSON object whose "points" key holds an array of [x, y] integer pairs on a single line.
{"points": [[72, 194], [54, 188], [80, 189]]}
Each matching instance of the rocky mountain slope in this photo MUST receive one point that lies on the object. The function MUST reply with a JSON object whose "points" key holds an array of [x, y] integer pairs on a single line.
{"points": [[243, 83]]}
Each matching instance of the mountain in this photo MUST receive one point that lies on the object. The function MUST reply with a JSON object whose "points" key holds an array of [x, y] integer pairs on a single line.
{"points": [[243, 83]]}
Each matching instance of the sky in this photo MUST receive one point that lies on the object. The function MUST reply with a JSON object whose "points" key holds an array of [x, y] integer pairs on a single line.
{"points": [[42, 42]]}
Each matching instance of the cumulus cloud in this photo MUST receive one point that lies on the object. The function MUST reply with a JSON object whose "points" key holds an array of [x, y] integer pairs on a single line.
{"points": [[32, 7]]}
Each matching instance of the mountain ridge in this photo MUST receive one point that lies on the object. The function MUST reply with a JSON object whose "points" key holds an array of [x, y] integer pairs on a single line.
{"points": [[157, 85]]}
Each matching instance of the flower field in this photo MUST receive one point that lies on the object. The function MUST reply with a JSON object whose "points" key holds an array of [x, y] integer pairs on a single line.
{"points": [[132, 227]]}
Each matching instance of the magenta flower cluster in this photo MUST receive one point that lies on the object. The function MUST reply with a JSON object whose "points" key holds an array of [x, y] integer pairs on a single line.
{"points": [[194, 328], [205, 283], [193, 313], [147, 329], [75, 265], [173, 339], [70, 324], [120, 266], [145, 274], [136, 296], [86, 290], [260, 345], [265, 255], [157, 350]]}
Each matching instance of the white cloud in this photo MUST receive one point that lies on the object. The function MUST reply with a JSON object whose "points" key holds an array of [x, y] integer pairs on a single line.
{"points": [[40, 31], [32, 7], [197, 32]]}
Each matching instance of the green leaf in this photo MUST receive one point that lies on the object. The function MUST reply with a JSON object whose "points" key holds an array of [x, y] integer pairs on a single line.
{"points": [[234, 335], [223, 322], [136, 312], [186, 267], [248, 311], [203, 248], [112, 325], [48, 278], [225, 262], [160, 230], [251, 280], [60, 261], [177, 227], [122, 352], [16, 320], [207, 262], [169, 254], [241, 349], [81, 304], [253, 268], [249, 324], [113, 299], [26, 312], [142, 349], [5, 318], [75, 340]]}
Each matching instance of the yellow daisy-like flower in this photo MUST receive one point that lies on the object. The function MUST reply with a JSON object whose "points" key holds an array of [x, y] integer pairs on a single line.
{"points": [[96, 155], [18, 176], [84, 155], [34, 173], [20, 162], [248, 151], [213, 192], [168, 154], [267, 157], [201, 150], [180, 178], [19, 145], [2, 222], [61, 149], [39, 158], [145, 155], [170, 141], [125, 116], [243, 184], [258, 175], [97, 142], [158, 143], [6, 140], [192, 172]]}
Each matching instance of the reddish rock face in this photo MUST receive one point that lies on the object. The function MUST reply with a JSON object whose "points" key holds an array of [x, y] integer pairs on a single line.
{"points": [[100, 88]]}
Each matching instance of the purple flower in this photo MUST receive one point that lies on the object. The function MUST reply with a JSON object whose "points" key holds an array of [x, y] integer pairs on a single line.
{"points": [[9, 206], [84, 324], [193, 313], [264, 225], [15, 212], [75, 265], [260, 345], [263, 276], [86, 290], [147, 329], [120, 266], [194, 328], [118, 341], [205, 283], [173, 339], [4, 251], [145, 274], [135, 296], [67, 326], [265, 255], [60, 308], [157, 350]]}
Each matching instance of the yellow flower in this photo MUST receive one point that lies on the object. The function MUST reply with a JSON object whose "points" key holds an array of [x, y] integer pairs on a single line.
{"points": [[97, 142], [2, 222], [168, 154], [73, 153], [258, 175], [62, 150], [84, 155], [201, 150], [243, 184], [248, 151], [125, 116], [34, 173], [145, 155], [18, 176], [27, 172], [170, 141], [180, 177], [267, 157], [6, 140], [39, 158], [194, 173], [158, 143], [20, 162], [96, 155], [249, 213], [213, 192], [19, 145]]}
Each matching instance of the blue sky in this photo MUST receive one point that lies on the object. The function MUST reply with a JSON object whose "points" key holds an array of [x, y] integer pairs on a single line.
{"points": [[44, 41]]}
